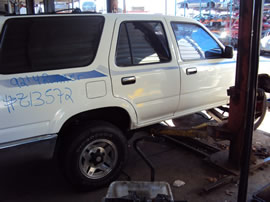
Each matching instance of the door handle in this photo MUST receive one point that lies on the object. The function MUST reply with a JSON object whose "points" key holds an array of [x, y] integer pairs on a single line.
{"points": [[128, 80], [191, 70]]}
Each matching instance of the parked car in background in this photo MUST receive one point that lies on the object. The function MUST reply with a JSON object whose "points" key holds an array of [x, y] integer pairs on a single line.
{"points": [[209, 20], [204, 16], [203, 3]]}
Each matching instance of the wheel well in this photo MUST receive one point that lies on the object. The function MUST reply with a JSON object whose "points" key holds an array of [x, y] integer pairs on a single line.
{"points": [[114, 115]]}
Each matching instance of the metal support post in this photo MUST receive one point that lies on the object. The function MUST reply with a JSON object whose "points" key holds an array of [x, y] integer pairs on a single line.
{"points": [[30, 7], [109, 5], [239, 93], [112, 6], [251, 98], [49, 6], [124, 6], [166, 7]]}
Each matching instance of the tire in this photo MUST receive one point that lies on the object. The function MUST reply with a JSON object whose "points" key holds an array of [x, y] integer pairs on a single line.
{"points": [[260, 116], [95, 156]]}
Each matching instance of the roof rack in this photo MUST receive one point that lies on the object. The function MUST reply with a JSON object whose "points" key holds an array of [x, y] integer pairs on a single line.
{"points": [[73, 11]]}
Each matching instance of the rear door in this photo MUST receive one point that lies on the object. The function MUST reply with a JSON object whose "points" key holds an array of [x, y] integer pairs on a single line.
{"points": [[143, 69]]}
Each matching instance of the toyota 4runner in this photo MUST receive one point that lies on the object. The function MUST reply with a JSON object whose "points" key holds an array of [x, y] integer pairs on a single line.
{"points": [[84, 81]]}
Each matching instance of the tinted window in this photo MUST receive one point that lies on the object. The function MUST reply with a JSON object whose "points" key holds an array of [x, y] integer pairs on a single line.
{"points": [[123, 52], [195, 43], [38, 44], [141, 43]]}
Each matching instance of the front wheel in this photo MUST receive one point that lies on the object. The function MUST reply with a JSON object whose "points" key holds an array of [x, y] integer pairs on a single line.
{"points": [[95, 156]]}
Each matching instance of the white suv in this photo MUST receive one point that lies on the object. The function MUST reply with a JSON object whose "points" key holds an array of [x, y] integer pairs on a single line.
{"points": [[89, 79]]}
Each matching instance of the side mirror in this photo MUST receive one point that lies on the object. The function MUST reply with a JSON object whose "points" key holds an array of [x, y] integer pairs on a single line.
{"points": [[228, 52]]}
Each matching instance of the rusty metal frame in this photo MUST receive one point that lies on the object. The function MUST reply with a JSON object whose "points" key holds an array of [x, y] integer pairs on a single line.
{"points": [[251, 74]]}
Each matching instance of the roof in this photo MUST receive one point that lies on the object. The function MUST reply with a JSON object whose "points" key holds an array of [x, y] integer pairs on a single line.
{"points": [[110, 15], [110, 18]]}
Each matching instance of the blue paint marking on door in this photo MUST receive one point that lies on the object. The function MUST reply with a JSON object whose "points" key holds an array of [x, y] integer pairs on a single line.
{"points": [[45, 78]]}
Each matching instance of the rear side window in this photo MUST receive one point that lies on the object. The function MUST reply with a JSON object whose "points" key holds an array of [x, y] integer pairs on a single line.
{"points": [[141, 42], [195, 43], [49, 43]]}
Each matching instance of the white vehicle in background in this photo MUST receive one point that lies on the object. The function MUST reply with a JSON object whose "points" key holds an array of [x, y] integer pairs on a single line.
{"points": [[85, 82], [265, 42]]}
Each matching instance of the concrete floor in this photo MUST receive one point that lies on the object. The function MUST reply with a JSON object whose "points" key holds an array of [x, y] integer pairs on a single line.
{"points": [[40, 180]]}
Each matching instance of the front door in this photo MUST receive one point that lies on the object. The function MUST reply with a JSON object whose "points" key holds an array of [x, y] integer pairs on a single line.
{"points": [[205, 73]]}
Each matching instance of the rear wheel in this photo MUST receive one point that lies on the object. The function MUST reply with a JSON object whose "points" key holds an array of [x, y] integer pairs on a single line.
{"points": [[94, 156]]}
